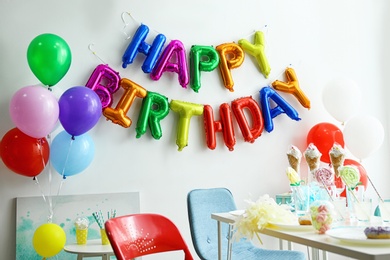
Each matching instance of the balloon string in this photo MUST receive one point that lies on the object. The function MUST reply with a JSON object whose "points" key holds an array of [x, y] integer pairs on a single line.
{"points": [[50, 199], [43, 195], [63, 170], [94, 53]]}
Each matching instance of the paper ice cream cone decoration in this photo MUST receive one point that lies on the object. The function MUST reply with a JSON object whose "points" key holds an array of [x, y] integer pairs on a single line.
{"points": [[294, 158], [337, 157], [312, 157]]}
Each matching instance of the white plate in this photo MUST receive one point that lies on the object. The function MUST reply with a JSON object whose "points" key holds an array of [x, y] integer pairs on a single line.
{"points": [[355, 235], [295, 227]]}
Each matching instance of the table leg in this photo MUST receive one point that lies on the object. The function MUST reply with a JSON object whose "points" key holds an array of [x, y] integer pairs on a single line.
{"points": [[315, 253], [324, 255], [280, 244], [219, 240], [289, 245], [80, 256], [106, 257], [229, 252]]}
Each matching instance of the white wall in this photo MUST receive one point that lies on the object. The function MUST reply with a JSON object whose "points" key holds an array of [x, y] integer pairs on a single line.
{"points": [[320, 39]]}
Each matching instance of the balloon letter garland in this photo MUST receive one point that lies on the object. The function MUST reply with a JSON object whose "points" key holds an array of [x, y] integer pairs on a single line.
{"points": [[118, 115], [258, 51], [202, 58], [225, 126], [163, 64], [111, 79], [186, 111], [138, 44], [267, 93], [292, 86], [238, 106], [231, 56], [155, 107]]}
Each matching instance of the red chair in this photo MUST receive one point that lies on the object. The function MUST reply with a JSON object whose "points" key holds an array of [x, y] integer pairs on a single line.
{"points": [[137, 235]]}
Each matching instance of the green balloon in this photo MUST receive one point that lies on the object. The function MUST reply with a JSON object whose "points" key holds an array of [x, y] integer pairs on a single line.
{"points": [[49, 58]]}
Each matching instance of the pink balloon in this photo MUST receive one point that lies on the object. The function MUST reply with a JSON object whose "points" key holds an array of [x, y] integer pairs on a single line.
{"points": [[34, 110]]}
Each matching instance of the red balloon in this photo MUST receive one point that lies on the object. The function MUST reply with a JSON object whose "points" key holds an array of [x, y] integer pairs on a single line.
{"points": [[23, 154], [323, 136], [363, 174]]}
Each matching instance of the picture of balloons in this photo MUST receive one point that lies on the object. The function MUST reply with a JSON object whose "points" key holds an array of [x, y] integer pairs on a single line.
{"points": [[323, 136], [24, 154], [341, 98], [363, 135], [80, 110], [34, 110], [71, 156], [49, 58], [49, 239]]}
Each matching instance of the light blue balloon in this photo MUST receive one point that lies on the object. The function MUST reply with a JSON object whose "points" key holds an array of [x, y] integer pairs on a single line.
{"points": [[70, 157]]}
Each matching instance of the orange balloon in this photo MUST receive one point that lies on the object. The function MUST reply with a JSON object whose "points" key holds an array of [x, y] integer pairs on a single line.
{"points": [[118, 115], [231, 56], [292, 87]]}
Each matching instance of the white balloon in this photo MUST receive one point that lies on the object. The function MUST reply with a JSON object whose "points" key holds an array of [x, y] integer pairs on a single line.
{"points": [[341, 98], [363, 135]]}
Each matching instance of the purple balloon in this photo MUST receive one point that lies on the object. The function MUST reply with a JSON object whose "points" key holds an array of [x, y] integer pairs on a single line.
{"points": [[80, 110], [34, 110]]}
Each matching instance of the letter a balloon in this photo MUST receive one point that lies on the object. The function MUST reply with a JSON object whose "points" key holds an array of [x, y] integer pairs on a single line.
{"points": [[49, 58]]}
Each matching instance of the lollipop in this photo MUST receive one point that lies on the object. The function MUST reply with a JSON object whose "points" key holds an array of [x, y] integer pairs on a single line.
{"points": [[293, 177], [294, 157], [312, 156], [337, 155], [350, 175], [324, 176]]}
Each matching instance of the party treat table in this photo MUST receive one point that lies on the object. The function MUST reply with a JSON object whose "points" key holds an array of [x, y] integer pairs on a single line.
{"points": [[93, 248], [371, 250]]}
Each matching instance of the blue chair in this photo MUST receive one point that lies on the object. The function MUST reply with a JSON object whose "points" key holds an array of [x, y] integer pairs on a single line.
{"points": [[204, 232]]}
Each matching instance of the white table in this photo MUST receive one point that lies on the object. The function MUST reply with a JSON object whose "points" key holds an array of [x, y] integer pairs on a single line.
{"points": [[313, 240], [93, 248]]}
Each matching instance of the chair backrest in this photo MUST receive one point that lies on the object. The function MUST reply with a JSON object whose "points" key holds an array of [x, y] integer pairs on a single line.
{"points": [[204, 231], [142, 234]]}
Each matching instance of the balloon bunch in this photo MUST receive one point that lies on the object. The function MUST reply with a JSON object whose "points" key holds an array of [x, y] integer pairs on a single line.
{"points": [[36, 111], [27, 149]]}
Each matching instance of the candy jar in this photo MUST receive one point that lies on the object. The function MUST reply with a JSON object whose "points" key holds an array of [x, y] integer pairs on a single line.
{"points": [[321, 212]]}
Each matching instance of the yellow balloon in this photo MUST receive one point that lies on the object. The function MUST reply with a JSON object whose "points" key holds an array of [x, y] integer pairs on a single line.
{"points": [[49, 239]]}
